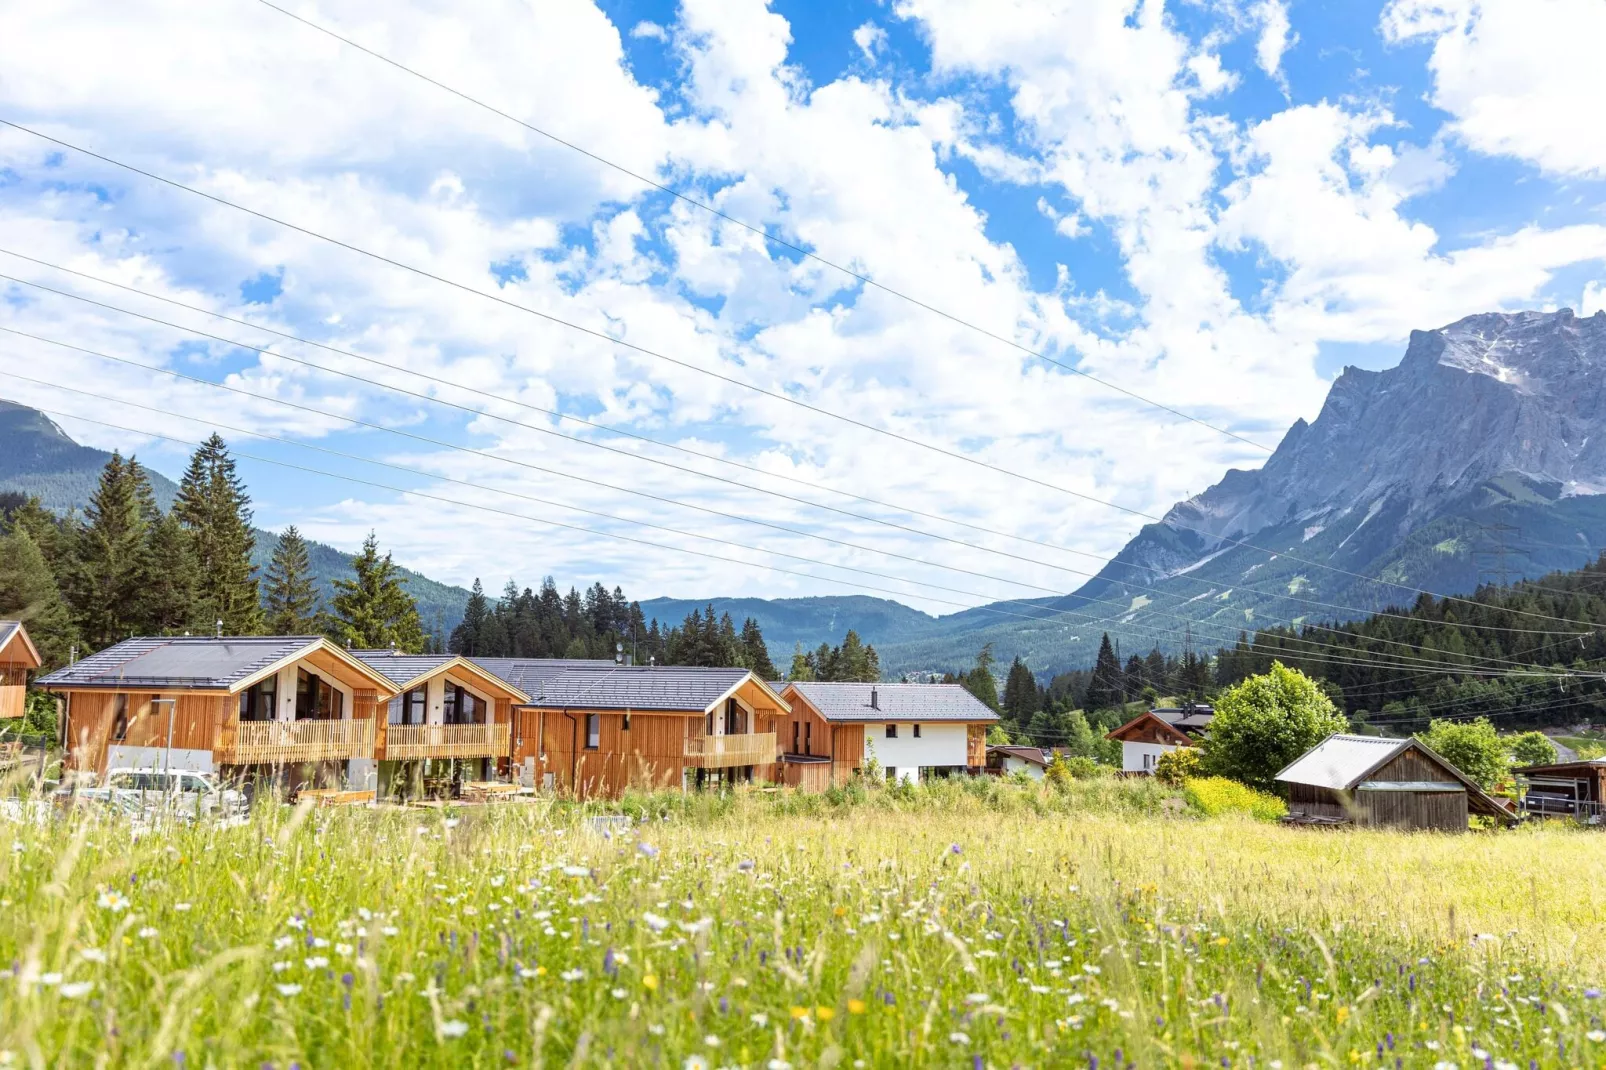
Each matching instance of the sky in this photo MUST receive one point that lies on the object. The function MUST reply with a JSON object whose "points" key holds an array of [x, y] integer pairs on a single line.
{"points": [[1044, 269]]}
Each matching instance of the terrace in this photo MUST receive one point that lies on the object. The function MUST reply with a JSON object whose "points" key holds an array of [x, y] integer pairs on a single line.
{"points": [[726, 751], [412, 742], [291, 742]]}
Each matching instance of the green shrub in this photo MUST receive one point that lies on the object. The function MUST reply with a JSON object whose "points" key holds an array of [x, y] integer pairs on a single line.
{"points": [[1216, 796], [1179, 766]]}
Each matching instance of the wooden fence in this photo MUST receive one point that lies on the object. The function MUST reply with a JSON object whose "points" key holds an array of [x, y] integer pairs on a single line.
{"points": [[291, 742], [719, 752], [412, 741]]}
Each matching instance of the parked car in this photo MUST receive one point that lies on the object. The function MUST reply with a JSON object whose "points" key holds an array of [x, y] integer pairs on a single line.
{"points": [[185, 793]]}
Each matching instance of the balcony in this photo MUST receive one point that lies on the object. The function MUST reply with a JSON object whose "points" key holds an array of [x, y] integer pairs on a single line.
{"points": [[407, 742], [291, 742], [723, 752]]}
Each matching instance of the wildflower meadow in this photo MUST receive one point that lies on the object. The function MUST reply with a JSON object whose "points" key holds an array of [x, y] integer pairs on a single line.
{"points": [[983, 924]]}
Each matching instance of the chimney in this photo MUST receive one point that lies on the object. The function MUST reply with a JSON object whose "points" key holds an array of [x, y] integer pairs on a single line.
{"points": [[875, 698], [220, 627]]}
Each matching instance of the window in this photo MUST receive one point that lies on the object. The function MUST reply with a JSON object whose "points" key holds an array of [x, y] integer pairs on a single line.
{"points": [[892, 731], [627, 722], [917, 731], [317, 699], [796, 730], [808, 737], [120, 717], [593, 731], [257, 702], [892, 774], [735, 718], [410, 708]]}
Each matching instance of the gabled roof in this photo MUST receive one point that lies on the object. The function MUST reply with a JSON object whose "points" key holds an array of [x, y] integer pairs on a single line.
{"points": [[1180, 736], [875, 703], [1342, 762], [526, 674], [408, 671], [197, 663], [1187, 718], [1034, 755], [1583, 767], [664, 688], [15, 637]]}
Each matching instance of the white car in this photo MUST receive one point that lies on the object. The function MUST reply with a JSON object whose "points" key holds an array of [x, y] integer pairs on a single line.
{"points": [[183, 792]]}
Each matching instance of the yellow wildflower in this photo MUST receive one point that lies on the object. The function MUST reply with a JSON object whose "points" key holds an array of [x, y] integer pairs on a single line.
{"points": [[1343, 1015], [825, 1014], [840, 911], [800, 1012], [650, 982], [855, 1006]]}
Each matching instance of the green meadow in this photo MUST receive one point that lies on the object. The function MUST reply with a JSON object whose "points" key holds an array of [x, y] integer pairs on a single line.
{"points": [[972, 924]]}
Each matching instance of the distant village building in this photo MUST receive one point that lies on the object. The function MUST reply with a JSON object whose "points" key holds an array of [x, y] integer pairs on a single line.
{"points": [[1009, 760], [1368, 780], [913, 731], [1159, 731]]}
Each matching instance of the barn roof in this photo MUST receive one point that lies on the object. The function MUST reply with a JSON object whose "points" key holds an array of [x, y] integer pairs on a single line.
{"points": [[875, 703], [1342, 762]]}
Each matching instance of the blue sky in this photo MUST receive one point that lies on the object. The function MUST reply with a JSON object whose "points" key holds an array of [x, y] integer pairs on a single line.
{"points": [[1216, 204]]}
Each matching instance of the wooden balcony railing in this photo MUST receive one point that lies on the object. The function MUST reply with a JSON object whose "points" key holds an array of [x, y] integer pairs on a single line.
{"points": [[288, 742], [412, 741], [720, 752]]}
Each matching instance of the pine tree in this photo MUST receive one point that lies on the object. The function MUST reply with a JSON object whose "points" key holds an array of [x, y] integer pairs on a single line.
{"points": [[291, 602], [168, 606], [1021, 697], [755, 652], [214, 507], [106, 589], [1106, 689], [28, 593], [979, 681], [373, 610], [466, 636], [801, 668]]}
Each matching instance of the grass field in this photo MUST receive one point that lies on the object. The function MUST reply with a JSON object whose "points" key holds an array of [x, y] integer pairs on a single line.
{"points": [[984, 924]]}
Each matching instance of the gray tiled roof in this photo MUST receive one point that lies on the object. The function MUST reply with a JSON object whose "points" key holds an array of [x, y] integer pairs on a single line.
{"points": [[896, 702], [178, 662], [7, 629], [667, 687], [526, 674], [1195, 717], [405, 668]]}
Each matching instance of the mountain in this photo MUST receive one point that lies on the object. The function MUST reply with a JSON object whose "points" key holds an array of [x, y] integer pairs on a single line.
{"points": [[810, 621], [37, 457]]}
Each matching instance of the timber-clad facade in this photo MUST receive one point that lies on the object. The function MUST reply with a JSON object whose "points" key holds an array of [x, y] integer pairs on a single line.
{"points": [[18, 658], [1368, 780]]}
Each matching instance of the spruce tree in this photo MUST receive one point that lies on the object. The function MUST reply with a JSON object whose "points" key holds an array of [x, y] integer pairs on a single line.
{"points": [[28, 593], [755, 652], [169, 605], [292, 596], [214, 507], [801, 668], [1021, 698], [373, 609], [466, 636], [979, 681], [106, 588], [1105, 690]]}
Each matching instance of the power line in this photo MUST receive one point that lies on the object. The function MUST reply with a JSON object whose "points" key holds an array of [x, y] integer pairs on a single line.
{"points": [[767, 235], [763, 391], [640, 457]]}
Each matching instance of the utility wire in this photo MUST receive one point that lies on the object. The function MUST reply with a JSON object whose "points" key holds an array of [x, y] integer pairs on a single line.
{"points": [[766, 234], [429, 398], [763, 391]]}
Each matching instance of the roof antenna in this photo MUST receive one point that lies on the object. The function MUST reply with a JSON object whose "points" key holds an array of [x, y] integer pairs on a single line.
{"points": [[220, 627], [393, 648]]}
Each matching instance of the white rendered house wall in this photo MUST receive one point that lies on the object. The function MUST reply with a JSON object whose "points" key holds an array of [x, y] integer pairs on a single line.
{"points": [[937, 745]]}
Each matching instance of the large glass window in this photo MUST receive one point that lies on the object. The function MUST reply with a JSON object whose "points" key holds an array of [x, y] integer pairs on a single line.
{"points": [[257, 702], [120, 717], [409, 708], [317, 699], [462, 706], [593, 731]]}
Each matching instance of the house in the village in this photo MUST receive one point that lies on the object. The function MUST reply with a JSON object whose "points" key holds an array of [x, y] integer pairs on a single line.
{"points": [[1368, 780], [450, 721], [1158, 731], [597, 729], [1009, 760], [296, 708], [1574, 789], [18, 658], [911, 731]]}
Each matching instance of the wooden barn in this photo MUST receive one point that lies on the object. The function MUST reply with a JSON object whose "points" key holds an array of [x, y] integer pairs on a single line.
{"points": [[1565, 789], [1367, 780]]}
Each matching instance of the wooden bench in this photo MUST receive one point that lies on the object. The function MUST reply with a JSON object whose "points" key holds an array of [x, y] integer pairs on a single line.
{"points": [[335, 797]]}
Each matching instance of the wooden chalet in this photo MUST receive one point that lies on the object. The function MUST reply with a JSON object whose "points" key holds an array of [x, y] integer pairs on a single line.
{"points": [[1565, 789], [911, 730], [1007, 760], [596, 729], [18, 658], [1368, 780], [292, 706], [449, 716], [1158, 731]]}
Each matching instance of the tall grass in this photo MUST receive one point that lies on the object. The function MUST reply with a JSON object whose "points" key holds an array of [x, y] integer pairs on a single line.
{"points": [[968, 924]]}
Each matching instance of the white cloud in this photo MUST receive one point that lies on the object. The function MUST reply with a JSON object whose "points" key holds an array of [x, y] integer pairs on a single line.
{"points": [[1521, 78], [871, 39], [1275, 39], [649, 30]]}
